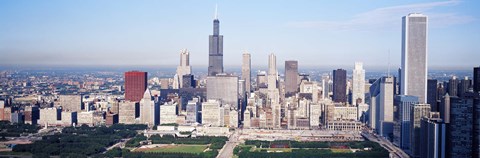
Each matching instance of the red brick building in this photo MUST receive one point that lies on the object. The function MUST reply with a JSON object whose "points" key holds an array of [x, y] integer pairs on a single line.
{"points": [[135, 85]]}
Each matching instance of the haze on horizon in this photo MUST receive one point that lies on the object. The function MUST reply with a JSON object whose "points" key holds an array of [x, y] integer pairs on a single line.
{"points": [[316, 33]]}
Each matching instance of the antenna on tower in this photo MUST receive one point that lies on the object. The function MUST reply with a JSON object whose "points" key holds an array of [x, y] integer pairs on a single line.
{"points": [[388, 70], [216, 11]]}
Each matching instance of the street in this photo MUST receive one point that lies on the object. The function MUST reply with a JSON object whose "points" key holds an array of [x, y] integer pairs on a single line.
{"points": [[227, 150]]}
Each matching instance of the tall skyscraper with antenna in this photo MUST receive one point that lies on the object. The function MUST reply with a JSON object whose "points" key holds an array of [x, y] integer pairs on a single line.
{"points": [[215, 62], [414, 56]]}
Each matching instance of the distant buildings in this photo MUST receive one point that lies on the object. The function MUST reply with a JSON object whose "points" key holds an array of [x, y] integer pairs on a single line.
{"points": [[70, 102], [340, 85], [414, 56], [135, 85]]}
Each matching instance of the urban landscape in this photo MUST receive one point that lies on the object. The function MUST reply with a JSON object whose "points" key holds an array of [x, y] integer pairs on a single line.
{"points": [[230, 108]]}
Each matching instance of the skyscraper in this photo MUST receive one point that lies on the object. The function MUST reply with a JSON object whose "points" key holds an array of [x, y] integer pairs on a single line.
{"points": [[383, 96], [417, 112], [246, 72], [215, 62], [147, 109], [453, 86], [358, 94], [476, 79], [184, 68], [272, 72], [340, 85], [135, 85], [432, 94], [291, 77], [404, 104], [414, 56]]}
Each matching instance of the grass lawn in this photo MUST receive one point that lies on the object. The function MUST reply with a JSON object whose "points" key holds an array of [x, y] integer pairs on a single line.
{"points": [[341, 150], [179, 149], [276, 149]]}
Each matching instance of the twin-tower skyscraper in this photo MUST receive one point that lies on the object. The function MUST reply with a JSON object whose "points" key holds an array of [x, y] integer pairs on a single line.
{"points": [[215, 53]]}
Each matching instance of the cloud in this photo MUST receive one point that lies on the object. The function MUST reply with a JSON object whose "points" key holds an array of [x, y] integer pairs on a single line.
{"points": [[389, 16]]}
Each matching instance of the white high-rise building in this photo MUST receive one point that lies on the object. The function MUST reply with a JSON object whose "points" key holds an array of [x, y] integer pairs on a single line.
{"points": [[272, 72], [212, 113], [358, 88], [184, 68], [381, 108], [147, 109], [168, 113], [414, 56]]}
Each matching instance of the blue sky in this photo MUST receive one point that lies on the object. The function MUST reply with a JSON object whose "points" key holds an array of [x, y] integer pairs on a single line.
{"points": [[316, 33]]}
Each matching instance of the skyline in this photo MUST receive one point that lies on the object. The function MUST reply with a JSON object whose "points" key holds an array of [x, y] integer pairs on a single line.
{"points": [[80, 34]]}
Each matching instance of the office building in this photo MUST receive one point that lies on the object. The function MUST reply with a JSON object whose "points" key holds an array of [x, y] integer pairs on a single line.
{"points": [[461, 128], [223, 88], [340, 85], [291, 77], [476, 79], [432, 94], [184, 68], [404, 103], [464, 86], [135, 85], [147, 109], [246, 72], [215, 61], [168, 113], [432, 138], [188, 81], [126, 112], [358, 88], [381, 108], [192, 112], [70, 102], [272, 72], [453, 86], [414, 56], [212, 113], [417, 112]]}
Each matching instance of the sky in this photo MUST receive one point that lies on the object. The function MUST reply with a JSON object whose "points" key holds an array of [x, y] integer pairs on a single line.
{"points": [[148, 32]]}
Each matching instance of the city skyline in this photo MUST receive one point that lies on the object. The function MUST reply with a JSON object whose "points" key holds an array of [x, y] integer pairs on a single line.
{"points": [[451, 22]]}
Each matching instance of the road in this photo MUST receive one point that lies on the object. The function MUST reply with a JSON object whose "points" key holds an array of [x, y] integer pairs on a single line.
{"points": [[121, 143], [395, 152], [227, 150]]}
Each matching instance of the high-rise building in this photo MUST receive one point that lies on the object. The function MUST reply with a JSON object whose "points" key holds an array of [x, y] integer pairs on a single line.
{"points": [[223, 88], [460, 137], [414, 56], [417, 112], [188, 81], [126, 112], [358, 88], [212, 113], [215, 62], [184, 68], [432, 138], [168, 113], [192, 111], [135, 85], [340, 85], [291, 77], [246, 72], [464, 86], [404, 104], [453, 86], [432, 94], [147, 109], [70, 102], [476, 79], [272, 72], [381, 106]]}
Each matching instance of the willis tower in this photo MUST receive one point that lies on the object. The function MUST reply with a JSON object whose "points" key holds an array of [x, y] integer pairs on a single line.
{"points": [[215, 62]]}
